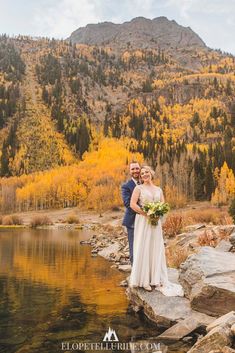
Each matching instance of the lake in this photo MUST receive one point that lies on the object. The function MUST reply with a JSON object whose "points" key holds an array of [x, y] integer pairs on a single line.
{"points": [[55, 295]]}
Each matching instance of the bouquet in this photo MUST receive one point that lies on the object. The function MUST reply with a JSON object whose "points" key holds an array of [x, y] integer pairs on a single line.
{"points": [[155, 210]]}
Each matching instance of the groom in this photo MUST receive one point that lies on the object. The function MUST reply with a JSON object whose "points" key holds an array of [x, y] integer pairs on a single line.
{"points": [[129, 217]]}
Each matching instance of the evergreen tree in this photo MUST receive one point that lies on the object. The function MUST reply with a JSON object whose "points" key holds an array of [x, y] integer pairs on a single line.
{"points": [[209, 182], [199, 180]]}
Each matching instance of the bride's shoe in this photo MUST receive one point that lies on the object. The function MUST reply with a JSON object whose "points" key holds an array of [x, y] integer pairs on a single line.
{"points": [[148, 288]]}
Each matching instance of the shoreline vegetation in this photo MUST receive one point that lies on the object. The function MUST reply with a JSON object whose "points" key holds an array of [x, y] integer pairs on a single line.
{"points": [[191, 213]]}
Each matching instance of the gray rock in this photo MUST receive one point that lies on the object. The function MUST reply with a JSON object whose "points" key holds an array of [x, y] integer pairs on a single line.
{"points": [[195, 227], [208, 279], [216, 339], [233, 329], [123, 283], [190, 238], [181, 329], [186, 238], [114, 266], [165, 311], [224, 245], [125, 268], [109, 250], [227, 349], [85, 242], [118, 257], [226, 320]]}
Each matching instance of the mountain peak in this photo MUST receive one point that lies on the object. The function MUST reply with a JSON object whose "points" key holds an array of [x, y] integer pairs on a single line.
{"points": [[141, 32], [139, 19]]}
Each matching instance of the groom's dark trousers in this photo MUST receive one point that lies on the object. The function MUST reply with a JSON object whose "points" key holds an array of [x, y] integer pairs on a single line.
{"points": [[129, 217]]}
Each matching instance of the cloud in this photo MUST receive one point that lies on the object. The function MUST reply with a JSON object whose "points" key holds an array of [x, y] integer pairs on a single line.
{"points": [[62, 17], [189, 7], [213, 20]]}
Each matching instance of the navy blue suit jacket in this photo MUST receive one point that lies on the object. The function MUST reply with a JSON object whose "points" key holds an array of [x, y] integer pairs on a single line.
{"points": [[127, 190]]}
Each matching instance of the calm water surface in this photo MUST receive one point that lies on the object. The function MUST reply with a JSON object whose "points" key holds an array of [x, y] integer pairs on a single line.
{"points": [[52, 291]]}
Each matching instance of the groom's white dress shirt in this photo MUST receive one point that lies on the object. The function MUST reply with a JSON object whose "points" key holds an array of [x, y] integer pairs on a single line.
{"points": [[135, 181]]}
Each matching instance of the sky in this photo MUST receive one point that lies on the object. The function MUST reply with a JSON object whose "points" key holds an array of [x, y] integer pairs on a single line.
{"points": [[212, 20]]}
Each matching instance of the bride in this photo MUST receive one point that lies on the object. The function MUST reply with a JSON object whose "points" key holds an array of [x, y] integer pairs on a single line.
{"points": [[149, 264]]}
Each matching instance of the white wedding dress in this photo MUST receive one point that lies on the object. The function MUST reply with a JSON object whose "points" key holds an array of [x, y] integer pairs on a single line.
{"points": [[149, 265]]}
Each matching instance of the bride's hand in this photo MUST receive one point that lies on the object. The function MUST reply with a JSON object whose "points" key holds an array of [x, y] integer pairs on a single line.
{"points": [[143, 213]]}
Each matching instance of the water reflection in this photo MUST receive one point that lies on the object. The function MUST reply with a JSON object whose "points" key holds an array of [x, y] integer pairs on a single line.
{"points": [[49, 258], [52, 290]]}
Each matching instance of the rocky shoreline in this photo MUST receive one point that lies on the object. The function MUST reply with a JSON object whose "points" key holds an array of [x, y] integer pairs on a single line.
{"points": [[207, 276]]}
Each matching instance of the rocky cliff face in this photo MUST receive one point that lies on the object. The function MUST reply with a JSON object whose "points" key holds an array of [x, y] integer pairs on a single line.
{"points": [[140, 33]]}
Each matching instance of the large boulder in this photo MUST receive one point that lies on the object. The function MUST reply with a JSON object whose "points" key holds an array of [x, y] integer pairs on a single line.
{"points": [[180, 330], [215, 340], [224, 245], [227, 320], [166, 311], [208, 279], [219, 336]]}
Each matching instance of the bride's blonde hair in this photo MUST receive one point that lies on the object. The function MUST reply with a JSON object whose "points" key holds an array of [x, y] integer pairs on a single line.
{"points": [[152, 172]]}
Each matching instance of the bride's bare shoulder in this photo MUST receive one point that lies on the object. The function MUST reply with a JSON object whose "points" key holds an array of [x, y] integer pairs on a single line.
{"points": [[158, 188]]}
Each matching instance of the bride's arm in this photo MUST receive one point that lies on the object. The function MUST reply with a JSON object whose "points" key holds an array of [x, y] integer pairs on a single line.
{"points": [[134, 200]]}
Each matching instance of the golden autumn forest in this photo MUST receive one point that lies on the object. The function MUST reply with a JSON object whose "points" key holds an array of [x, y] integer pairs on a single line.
{"points": [[72, 116]]}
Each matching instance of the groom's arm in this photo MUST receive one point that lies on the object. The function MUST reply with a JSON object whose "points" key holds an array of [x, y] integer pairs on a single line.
{"points": [[126, 195]]}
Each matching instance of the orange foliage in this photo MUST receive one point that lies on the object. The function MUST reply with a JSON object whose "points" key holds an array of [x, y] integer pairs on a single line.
{"points": [[225, 189], [93, 183]]}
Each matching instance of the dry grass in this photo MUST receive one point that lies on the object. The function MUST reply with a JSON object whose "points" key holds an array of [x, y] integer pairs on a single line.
{"points": [[72, 219], [227, 220], [11, 220], [223, 234], [177, 220], [174, 197], [211, 238], [173, 225], [176, 255], [207, 215], [208, 238], [38, 221]]}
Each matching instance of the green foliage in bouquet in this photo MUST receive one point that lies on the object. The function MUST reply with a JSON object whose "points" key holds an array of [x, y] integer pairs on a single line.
{"points": [[155, 210]]}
